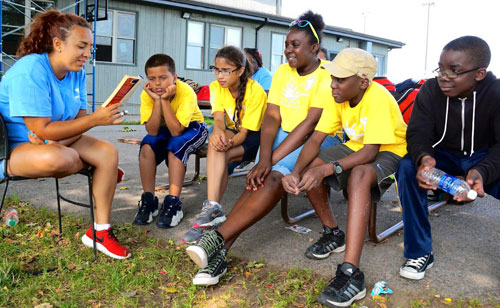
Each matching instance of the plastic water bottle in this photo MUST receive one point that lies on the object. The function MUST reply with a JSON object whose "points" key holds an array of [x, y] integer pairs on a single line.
{"points": [[11, 218], [450, 184]]}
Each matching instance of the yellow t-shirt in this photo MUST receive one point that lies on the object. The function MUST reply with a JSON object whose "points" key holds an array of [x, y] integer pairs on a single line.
{"points": [[184, 105], [253, 105], [295, 94], [376, 119]]}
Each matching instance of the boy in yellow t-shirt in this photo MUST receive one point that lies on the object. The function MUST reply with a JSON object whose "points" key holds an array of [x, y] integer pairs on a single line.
{"points": [[174, 122], [370, 117]]}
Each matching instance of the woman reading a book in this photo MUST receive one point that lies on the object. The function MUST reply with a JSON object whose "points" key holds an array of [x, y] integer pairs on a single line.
{"points": [[43, 100]]}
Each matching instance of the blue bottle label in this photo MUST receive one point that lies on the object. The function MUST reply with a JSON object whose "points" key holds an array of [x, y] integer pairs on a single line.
{"points": [[446, 182]]}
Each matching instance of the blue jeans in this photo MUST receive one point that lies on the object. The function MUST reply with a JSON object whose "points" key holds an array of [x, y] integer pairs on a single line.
{"points": [[417, 230]]}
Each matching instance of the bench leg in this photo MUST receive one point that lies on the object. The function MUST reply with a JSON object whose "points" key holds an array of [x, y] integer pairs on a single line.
{"points": [[372, 223], [284, 212]]}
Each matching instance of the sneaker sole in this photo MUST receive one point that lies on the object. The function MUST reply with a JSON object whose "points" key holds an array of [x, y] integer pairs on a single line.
{"points": [[214, 222], [207, 281], [326, 255], [198, 255], [414, 276], [150, 219], [175, 221], [87, 241], [325, 301]]}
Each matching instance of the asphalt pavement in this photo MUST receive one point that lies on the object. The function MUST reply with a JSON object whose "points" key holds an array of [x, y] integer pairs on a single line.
{"points": [[466, 245]]}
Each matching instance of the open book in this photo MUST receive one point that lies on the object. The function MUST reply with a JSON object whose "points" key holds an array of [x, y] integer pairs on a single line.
{"points": [[123, 90]]}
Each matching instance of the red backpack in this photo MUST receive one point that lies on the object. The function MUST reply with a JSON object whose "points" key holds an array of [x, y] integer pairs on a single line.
{"points": [[404, 99]]}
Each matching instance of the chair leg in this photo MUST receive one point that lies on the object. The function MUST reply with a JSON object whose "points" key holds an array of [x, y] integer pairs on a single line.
{"points": [[59, 207], [4, 193], [377, 238], [284, 212], [92, 219]]}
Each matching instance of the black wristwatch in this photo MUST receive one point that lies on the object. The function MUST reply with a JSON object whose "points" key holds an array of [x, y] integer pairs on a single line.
{"points": [[337, 168]]}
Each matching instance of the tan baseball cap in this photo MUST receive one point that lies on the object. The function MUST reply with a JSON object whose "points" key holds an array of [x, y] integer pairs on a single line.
{"points": [[353, 61]]}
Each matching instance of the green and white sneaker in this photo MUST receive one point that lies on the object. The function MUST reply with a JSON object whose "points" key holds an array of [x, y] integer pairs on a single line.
{"points": [[216, 267], [206, 247]]}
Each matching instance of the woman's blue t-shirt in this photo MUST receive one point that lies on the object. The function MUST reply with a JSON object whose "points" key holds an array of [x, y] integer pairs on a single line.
{"points": [[31, 89], [264, 77]]}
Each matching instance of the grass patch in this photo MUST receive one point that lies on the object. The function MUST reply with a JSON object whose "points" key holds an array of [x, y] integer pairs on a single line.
{"points": [[36, 267], [131, 123], [208, 120]]}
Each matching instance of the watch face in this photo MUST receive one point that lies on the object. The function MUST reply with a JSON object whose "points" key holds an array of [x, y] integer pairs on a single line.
{"points": [[338, 169]]}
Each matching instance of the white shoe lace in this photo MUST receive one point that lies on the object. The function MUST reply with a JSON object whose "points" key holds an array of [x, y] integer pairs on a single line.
{"points": [[416, 263]]}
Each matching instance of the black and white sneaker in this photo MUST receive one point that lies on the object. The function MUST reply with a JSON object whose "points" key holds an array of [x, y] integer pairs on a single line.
{"points": [[148, 208], [330, 241], [347, 286], [171, 212], [415, 268], [207, 246], [216, 267]]}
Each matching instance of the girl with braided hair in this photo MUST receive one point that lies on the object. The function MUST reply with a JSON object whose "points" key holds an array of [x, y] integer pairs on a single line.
{"points": [[238, 106], [43, 99]]}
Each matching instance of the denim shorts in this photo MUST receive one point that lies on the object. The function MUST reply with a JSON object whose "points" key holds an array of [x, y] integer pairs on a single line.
{"points": [[286, 164]]}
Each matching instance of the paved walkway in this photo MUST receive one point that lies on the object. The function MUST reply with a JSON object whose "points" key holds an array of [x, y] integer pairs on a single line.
{"points": [[466, 244]]}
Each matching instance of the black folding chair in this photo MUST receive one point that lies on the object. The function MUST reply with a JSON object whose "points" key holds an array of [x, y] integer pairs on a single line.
{"points": [[88, 172]]}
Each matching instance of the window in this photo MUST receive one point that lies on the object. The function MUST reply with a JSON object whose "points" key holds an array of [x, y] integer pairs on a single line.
{"points": [[333, 54], [195, 45], [115, 37], [277, 51], [381, 65], [221, 36], [14, 21]]}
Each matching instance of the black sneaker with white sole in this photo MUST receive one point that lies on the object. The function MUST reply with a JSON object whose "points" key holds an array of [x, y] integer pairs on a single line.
{"points": [[347, 286], [330, 241], [207, 246], [148, 208], [415, 268], [171, 212], [216, 267]]}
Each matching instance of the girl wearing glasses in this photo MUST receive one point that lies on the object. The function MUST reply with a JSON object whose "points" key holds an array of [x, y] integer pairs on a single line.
{"points": [[238, 105], [299, 90]]}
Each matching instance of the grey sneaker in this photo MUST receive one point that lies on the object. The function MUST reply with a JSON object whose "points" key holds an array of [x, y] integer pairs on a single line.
{"points": [[208, 245], [245, 166], [216, 267], [330, 241], [194, 234], [211, 215]]}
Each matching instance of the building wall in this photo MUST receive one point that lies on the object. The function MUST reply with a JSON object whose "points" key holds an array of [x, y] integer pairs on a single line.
{"points": [[261, 6], [163, 30]]}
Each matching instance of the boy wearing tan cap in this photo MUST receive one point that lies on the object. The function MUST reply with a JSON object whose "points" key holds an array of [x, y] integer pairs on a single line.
{"points": [[370, 117]]}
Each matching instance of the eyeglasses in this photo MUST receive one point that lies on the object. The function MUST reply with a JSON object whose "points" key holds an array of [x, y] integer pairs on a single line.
{"points": [[452, 74], [304, 23], [224, 73]]}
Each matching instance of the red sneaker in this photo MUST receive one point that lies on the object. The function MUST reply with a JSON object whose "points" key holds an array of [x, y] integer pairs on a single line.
{"points": [[121, 174], [107, 243]]}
